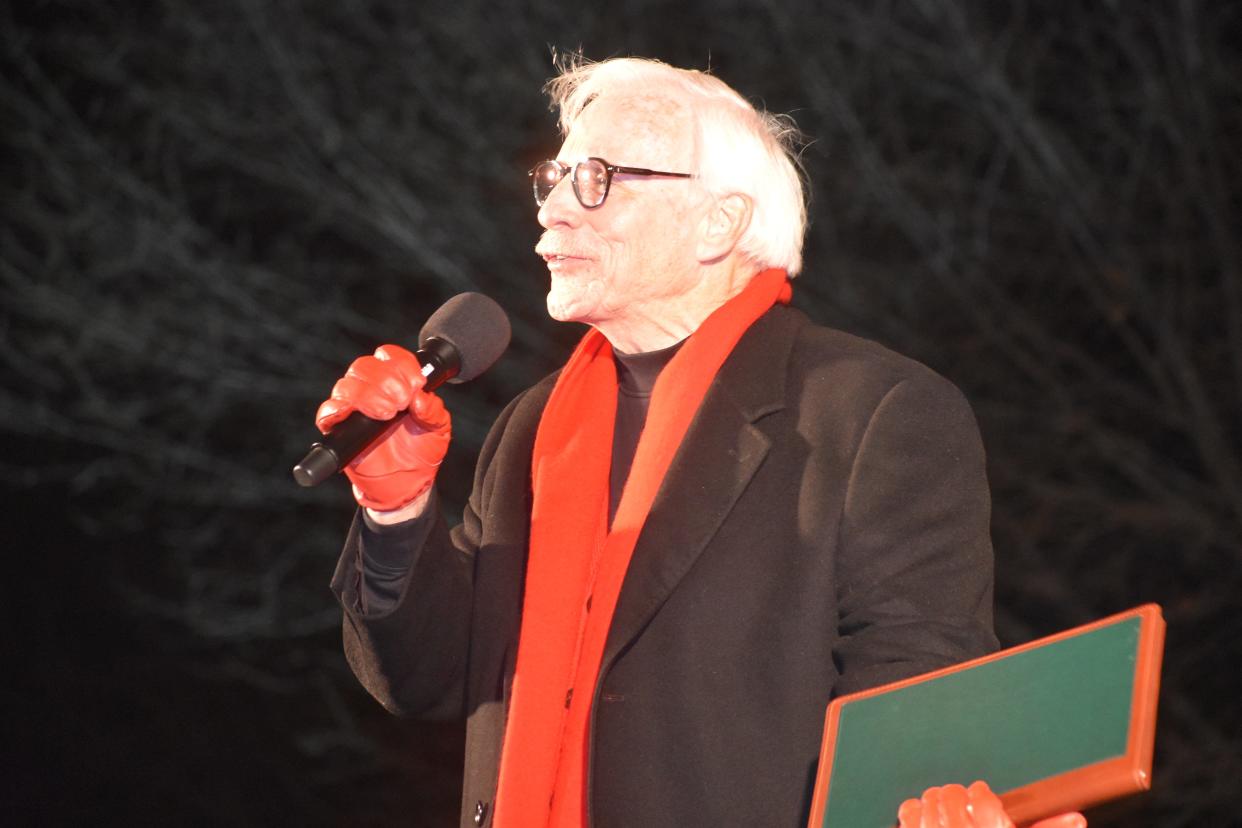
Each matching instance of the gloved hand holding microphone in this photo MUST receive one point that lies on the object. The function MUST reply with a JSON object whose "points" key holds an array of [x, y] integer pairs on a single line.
{"points": [[400, 466], [383, 426]]}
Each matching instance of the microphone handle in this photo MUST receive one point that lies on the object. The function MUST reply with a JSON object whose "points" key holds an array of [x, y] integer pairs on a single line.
{"points": [[348, 438]]}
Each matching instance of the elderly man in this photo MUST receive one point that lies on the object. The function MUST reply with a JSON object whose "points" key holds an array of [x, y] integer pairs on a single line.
{"points": [[680, 546]]}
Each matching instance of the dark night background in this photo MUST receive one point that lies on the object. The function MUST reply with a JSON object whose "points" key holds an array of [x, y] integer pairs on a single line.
{"points": [[209, 209]]}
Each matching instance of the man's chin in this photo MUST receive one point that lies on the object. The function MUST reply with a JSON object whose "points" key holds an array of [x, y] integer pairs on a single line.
{"points": [[561, 310], [569, 305]]}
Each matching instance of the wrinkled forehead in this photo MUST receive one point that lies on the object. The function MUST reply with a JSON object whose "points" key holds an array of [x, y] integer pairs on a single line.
{"points": [[637, 130]]}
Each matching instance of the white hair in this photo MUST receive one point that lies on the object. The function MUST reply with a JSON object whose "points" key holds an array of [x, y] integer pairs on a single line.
{"points": [[740, 149]]}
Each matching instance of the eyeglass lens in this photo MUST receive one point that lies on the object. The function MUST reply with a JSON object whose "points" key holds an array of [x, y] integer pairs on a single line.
{"points": [[590, 181]]}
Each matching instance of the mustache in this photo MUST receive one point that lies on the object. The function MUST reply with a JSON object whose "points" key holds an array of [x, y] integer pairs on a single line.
{"points": [[551, 244]]}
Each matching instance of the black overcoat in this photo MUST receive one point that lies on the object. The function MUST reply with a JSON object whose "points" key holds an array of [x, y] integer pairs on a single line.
{"points": [[823, 528]]}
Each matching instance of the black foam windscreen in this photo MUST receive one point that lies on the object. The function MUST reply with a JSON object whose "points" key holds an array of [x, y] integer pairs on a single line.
{"points": [[473, 324]]}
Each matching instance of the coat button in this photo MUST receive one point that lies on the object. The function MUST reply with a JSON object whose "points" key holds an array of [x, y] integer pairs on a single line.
{"points": [[480, 812]]}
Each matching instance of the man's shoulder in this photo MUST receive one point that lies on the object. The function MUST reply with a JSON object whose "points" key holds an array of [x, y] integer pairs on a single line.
{"points": [[853, 366], [512, 434], [819, 344], [530, 403], [815, 347]]}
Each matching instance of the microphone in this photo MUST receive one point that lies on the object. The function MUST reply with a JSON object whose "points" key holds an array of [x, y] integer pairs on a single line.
{"points": [[460, 341]]}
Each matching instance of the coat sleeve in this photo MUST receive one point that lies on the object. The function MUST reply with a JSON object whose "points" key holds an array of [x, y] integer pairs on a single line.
{"points": [[412, 657], [915, 567]]}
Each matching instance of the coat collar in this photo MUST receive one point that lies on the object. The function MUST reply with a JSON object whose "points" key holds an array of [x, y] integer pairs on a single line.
{"points": [[721, 452]]}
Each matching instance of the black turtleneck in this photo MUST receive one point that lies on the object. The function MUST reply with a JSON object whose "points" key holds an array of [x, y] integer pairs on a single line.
{"points": [[636, 377]]}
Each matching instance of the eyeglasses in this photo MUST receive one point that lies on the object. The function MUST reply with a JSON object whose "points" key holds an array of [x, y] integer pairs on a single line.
{"points": [[592, 179]]}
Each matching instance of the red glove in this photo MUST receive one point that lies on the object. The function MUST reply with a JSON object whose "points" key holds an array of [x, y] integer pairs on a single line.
{"points": [[952, 806], [401, 465]]}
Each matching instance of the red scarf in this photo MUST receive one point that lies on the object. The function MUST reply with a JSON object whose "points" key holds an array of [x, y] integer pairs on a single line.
{"points": [[575, 557]]}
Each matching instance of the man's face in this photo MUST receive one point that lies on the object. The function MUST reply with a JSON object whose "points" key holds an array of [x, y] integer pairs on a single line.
{"points": [[623, 264]]}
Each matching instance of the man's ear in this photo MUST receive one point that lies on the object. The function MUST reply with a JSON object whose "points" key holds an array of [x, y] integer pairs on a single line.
{"points": [[723, 226]]}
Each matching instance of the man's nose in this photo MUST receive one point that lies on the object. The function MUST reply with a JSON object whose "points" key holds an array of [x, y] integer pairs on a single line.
{"points": [[561, 207]]}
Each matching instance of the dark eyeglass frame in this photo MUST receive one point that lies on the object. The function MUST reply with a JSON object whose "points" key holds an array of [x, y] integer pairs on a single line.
{"points": [[609, 171]]}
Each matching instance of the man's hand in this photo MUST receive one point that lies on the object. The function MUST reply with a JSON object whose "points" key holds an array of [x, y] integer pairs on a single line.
{"points": [[401, 465], [952, 806]]}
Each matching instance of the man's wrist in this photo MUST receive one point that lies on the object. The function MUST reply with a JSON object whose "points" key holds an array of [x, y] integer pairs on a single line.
{"points": [[414, 509]]}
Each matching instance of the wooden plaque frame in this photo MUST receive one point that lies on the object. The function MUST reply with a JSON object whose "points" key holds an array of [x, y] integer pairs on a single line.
{"points": [[1073, 789]]}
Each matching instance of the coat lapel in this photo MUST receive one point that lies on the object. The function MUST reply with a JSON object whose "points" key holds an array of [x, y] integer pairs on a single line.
{"points": [[721, 452]]}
